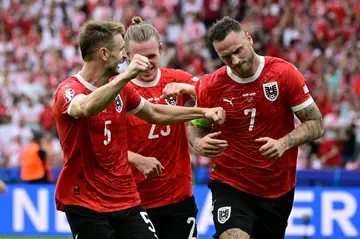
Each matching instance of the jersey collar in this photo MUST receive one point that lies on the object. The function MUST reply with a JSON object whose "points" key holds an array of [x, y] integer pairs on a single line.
{"points": [[249, 79], [85, 83], [148, 84]]}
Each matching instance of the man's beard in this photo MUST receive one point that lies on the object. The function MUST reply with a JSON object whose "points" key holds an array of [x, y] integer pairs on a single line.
{"points": [[112, 71]]}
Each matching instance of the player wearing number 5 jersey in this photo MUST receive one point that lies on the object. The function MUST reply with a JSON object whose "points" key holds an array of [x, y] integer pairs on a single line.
{"points": [[168, 198], [96, 188], [253, 179]]}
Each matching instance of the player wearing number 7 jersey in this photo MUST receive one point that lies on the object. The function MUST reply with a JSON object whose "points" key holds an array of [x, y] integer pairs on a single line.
{"points": [[96, 188], [168, 198], [253, 179]]}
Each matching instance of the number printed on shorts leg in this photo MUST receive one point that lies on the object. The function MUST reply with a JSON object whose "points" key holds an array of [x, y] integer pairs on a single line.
{"points": [[147, 220], [192, 221]]}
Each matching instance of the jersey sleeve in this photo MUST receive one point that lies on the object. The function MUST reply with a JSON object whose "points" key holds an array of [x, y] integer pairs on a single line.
{"points": [[65, 96], [134, 101], [202, 99], [297, 92]]}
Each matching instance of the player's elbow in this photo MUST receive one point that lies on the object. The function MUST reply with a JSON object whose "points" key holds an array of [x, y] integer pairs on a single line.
{"points": [[88, 112], [320, 129]]}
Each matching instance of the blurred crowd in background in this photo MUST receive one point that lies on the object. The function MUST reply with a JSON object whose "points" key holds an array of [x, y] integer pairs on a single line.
{"points": [[39, 49]]}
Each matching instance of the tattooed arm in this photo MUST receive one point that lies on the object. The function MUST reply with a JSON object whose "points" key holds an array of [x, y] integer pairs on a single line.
{"points": [[311, 128], [204, 142]]}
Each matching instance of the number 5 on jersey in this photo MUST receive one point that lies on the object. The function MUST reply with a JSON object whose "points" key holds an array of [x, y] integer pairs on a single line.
{"points": [[107, 133]]}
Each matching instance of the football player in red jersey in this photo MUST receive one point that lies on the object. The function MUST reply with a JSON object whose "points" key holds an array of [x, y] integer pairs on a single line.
{"points": [[96, 188], [168, 198], [252, 179]]}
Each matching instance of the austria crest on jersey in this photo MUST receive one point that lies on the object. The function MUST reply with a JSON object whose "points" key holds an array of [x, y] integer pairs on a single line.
{"points": [[118, 103], [271, 91], [171, 101], [223, 214]]}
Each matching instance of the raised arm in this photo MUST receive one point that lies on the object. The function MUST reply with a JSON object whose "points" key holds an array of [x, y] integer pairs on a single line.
{"points": [[175, 89], [101, 98], [166, 115], [311, 127]]}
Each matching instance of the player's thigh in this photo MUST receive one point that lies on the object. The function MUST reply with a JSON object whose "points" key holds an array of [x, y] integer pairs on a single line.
{"points": [[86, 223], [175, 226], [133, 223], [232, 214], [273, 217]]}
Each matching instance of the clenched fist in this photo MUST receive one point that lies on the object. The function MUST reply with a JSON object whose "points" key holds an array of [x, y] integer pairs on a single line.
{"points": [[137, 65], [150, 167], [216, 115], [175, 89]]}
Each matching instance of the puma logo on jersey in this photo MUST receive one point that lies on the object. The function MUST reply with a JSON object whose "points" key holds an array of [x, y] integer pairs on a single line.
{"points": [[229, 101]]}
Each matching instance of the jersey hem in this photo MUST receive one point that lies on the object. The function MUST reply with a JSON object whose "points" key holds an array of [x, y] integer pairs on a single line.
{"points": [[70, 105], [137, 109], [60, 206], [276, 195], [303, 105]]}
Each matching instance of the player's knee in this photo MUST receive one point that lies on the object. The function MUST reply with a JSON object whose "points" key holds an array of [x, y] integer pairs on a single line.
{"points": [[234, 233]]}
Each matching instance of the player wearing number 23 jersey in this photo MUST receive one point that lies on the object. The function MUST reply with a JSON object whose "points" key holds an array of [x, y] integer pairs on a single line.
{"points": [[171, 193], [167, 198]]}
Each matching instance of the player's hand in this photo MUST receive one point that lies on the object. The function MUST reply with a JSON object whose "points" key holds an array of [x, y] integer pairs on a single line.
{"points": [[150, 167], [2, 187], [137, 65], [175, 89], [271, 148], [210, 146], [216, 115]]}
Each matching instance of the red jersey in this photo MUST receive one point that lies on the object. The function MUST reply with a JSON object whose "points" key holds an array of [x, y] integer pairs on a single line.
{"points": [[168, 144], [96, 173], [260, 106]]}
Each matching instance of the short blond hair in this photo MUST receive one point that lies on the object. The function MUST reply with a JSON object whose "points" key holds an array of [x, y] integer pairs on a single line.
{"points": [[95, 34], [140, 31]]}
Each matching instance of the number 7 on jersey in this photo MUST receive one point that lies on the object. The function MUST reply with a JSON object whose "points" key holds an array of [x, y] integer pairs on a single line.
{"points": [[252, 117]]}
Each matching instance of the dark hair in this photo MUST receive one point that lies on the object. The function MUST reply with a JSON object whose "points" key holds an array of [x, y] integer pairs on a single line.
{"points": [[95, 34], [222, 28], [140, 31]]}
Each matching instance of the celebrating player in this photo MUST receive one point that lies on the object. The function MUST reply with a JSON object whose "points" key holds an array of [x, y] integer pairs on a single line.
{"points": [[252, 179], [168, 198], [96, 188]]}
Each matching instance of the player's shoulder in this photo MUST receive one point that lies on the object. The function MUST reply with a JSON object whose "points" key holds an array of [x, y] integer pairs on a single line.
{"points": [[176, 75], [281, 65], [72, 83], [215, 79]]}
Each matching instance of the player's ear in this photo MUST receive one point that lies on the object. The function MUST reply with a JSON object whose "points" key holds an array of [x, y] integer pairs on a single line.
{"points": [[104, 53], [249, 38], [160, 47]]}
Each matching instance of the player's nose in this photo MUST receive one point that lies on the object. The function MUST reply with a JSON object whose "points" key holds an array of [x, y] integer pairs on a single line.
{"points": [[235, 60]]}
